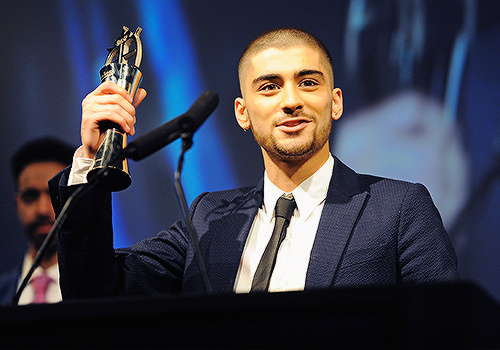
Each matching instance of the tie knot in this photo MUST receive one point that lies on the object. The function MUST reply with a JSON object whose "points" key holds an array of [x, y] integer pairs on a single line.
{"points": [[285, 207]]}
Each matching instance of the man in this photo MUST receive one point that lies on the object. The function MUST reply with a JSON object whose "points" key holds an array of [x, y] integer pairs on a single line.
{"points": [[347, 229], [32, 166]]}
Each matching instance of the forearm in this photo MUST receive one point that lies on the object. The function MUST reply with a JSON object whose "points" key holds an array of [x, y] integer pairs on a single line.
{"points": [[85, 242]]}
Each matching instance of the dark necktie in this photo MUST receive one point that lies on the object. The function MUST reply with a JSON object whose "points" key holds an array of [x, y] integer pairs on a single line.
{"points": [[282, 212]]}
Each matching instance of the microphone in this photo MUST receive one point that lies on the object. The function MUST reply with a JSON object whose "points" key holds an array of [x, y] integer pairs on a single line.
{"points": [[181, 126]]}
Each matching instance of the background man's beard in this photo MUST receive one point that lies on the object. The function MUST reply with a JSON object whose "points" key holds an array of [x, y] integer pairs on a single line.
{"points": [[38, 239]]}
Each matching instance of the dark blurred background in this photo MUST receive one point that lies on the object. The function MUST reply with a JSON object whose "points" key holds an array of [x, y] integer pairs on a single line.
{"points": [[421, 83]]}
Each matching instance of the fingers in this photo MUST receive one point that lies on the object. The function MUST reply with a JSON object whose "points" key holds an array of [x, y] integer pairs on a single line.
{"points": [[108, 103], [108, 88], [139, 96]]}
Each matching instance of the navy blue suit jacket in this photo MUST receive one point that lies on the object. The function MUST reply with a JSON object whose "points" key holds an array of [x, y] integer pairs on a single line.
{"points": [[9, 282], [373, 231]]}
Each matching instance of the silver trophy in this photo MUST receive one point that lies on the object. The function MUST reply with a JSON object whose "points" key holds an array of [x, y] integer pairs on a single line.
{"points": [[118, 70]]}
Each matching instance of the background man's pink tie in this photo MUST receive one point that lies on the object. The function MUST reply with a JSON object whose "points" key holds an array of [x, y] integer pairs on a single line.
{"points": [[40, 284]]}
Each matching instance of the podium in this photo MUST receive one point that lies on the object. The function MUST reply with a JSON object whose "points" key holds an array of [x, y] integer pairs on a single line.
{"points": [[453, 316]]}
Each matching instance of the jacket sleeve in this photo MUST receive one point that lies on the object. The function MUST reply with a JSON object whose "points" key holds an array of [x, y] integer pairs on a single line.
{"points": [[90, 266]]}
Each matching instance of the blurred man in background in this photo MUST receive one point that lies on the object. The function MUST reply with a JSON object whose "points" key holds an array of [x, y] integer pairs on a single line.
{"points": [[32, 166]]}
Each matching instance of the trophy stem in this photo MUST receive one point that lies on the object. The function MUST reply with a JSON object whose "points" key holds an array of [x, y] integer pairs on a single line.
{"points": [[118, 177]]}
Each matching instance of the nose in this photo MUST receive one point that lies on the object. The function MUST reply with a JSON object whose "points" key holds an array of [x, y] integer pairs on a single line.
{"points": [[44, 205], [291, 100]]}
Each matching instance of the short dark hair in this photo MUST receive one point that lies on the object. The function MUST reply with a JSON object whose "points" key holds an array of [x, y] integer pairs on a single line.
{"points": [[283, 38], [44, 149]]}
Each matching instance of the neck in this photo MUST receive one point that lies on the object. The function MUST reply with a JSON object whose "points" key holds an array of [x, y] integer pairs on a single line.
{"points": [[47, 261], [288, 174]]}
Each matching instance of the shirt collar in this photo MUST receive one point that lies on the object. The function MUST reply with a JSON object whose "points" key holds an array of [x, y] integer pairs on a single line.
{"points": [[308, 195], [52, 271]]}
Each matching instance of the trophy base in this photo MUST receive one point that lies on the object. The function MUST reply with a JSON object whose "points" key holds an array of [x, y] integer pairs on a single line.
{"points": [[116, 179]]}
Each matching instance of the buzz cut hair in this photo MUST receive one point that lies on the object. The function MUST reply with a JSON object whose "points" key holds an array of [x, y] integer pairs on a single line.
{"points": [[282, 39]]}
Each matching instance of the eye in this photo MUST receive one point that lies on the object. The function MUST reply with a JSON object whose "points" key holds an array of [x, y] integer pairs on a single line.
{"points": [[309, 83], [269, 87], [30, 195]]}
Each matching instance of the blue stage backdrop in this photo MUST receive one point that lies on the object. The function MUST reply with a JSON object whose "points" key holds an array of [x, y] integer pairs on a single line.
{"points": [[421, 82]]}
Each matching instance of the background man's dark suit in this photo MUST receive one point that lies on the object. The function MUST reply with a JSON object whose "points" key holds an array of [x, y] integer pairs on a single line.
{"points": [[373, 231], [9, 282]]}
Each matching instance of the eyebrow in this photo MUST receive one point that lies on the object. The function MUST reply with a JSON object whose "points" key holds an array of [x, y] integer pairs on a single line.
{"points": [[299, 74], [265, 77], [309, 72]]}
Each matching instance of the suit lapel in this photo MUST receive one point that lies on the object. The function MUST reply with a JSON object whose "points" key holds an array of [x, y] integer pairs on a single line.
{"points": [[344, 204], [228, 241]]}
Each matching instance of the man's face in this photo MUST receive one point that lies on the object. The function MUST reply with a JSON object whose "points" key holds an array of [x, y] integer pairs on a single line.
{"points": [[33, 201], [289, 102]]}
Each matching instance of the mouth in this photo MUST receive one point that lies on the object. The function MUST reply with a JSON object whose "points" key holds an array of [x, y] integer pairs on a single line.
{"points": [[293, 124], [43, 229]]}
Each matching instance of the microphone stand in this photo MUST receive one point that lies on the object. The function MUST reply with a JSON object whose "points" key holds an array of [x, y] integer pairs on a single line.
{"points": [[187, 142]]}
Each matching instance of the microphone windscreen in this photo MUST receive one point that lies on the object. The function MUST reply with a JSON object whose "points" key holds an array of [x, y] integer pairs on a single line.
{"points": [[201, 109], [190, 121]]}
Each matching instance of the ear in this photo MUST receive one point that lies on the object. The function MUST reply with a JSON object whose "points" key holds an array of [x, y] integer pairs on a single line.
{"points": [[337, 104], [240, 111]]}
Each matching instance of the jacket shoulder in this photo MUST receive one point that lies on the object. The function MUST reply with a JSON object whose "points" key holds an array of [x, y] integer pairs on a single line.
{"points": [[229, 200], [351, 182], [9, 281]]}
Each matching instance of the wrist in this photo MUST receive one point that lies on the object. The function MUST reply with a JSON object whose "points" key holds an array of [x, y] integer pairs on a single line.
{"points": [[84, 152]]}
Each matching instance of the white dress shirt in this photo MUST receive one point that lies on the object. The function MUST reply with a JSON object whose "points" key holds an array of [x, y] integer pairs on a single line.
{"points": [[294, 253], [53, 294], [80, 167]]}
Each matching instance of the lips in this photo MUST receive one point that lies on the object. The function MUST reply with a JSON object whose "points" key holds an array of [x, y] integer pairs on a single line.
{"points": [[293, 124], [44, 229], [41, 226]]}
